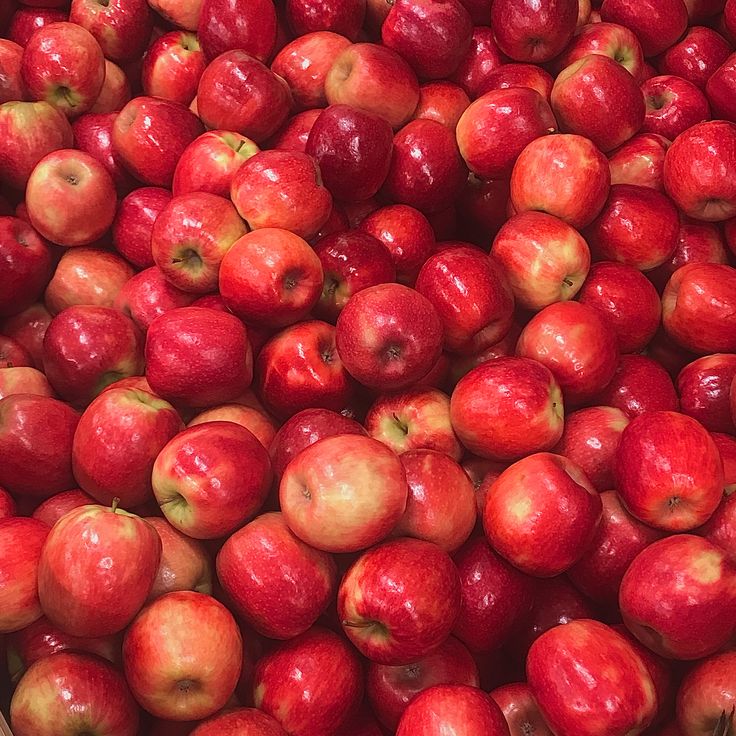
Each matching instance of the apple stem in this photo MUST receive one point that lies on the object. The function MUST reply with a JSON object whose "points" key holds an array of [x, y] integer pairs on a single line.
{"points": [[567, 282], [356, 625], [115, 504], [724, 727]]}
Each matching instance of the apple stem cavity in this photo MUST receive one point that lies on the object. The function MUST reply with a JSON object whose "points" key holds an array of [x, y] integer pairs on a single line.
{"points": [[724, 727]]}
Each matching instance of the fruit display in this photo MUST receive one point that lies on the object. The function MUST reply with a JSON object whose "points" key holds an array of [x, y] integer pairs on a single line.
{"points": [[368, 367]]}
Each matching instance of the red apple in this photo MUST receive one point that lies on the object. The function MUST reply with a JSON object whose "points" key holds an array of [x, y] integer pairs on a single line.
{"points": [[255, 421], [481, 59], [399, 600], [179, 671], [701, 597], [597, 98], [376, 79], [570, 179], [587, 679], [149, 136], [657, 23], [8, 506], [720, 89], [115, 93], [211, 478], [198, 356], [235, 76], [27, 19], [345, 17], [226, 24], [726, 445], [518, 75], [443, 102], [294, 133], [702, 191], [696, 56], [544, 259], [520, 710], [28, 329], [239, 721], [60, 504], [182, 13], [640, 161], [720, 529], [209, 162], [173, 66], [704, 387], [673, 106], [25, 380], [683, 488], [73, 691], [13, 354]]}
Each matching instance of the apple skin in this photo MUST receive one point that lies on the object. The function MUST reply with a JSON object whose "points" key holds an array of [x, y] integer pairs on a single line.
{"points": [[70, 198], [481, 59], [304, 64], [27, 265], [533, 32], [701, 597], [13, 354], [235, 76], [26, 380], [278, 584], [71, 691], [181, 14], [520, 710], [343, 493], [390, 689], [673, 106], [625, 299], [441, 101], [122, 29], [113, 573], [704, 386], [28, 132], [271, 277], [22, 540], [518, 75], [115, 93], [495, 597], [304, 429], [209, 163], [226, 24], [571, 179], [577, 344], [63, 64], [726, 445], [116, 443], [309, 684], [703, 192], [8, 507], [597, 98], [452, 708], [255, 421], [198, 356], [294, 133], [133, 224], [565, 661], [28, 328], [239, 721], [545, 260], [173, 66], [696, 56], [720, 529], [640, 161], [398, 602], [300, 368], [376, 79], [60, 504], [638, 226], [195, 674], [200, 484], [28, 19], [496, 128], [701, 294], [720, 89], [706, 693]]}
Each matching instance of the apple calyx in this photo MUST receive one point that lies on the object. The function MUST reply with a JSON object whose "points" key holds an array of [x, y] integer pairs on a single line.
{"points": [[724, 727]]}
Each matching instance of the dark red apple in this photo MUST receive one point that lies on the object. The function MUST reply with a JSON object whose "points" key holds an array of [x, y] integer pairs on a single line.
{"points": [[225, 25], [657, 23], [27, 19], [520, 710], [696, 55], [346, 17], [673, 106], [704, 387], [481, 59]]}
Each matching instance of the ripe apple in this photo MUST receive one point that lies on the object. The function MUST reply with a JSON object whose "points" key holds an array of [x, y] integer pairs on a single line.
{"points": [[255, 421], [640, 161], [184, 14], [398, 602], [74, 692], [8, 507], [28, 328], [173, 66], [481, 59], [11, 83], [441, 101], [657, 23], [294, 133], [520, 710], [225, 25], [179, 671], [673, 105], [720, 528], [238, 721], [26, 19], [13, 354], [27, 380], [696, 55], [701, 597], [704, 387], [60, 504], [116, 91], [133, 224]]}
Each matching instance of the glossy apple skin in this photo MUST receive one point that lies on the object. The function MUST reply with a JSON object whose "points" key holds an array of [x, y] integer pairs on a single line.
{"points": [[657, 23], [520, 710], [638, 226], [356, 493], [115, 92], [115, 555], [53, 508], [561, 665], [696, 56], [13, 354], [173, 66], [149, 136], [701, 294], [481, 59], [597, 98], [225, 25], [116, 443], [255, 421], [706, 693], [239, 721], [533, 32], [518, 75], [63, 64], [24, 380], [640, 161], [443, 102], [701, 191], [673, 106], [626, 300], [232, 77], [27, 19], [391, 689], [195, 674], [726, 444], [133, 224], [457, 708], [495, 597], [698, 618], [376, 79], [294, 133], [578, 346], [278, 584], [398, 602], [198, 356], [72, 690], [545, 260], [28, 328], [704, 387], [720, 529], [30, 130], [22, 540], [432, 37], [8, 507], [684, 487], [496, 128], [310, 683]]}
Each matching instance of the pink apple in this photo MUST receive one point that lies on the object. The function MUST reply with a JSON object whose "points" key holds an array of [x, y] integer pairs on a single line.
{"points": [[255, 421], [232, 722], [225, 25], [673, 106], [704, 387], [481, 59], [184, 14], [173, 66], [518, 75], [115, 93], [657, 23], [26, 380], [443, 102], [640, 161], [60, 504]]}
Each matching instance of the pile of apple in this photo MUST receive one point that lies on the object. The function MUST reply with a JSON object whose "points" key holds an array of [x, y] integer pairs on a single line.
{"points": [[368, 367]]}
